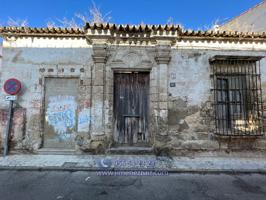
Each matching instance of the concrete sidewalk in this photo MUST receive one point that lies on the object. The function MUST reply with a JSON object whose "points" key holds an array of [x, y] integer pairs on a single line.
{"points": [[134, 162]]}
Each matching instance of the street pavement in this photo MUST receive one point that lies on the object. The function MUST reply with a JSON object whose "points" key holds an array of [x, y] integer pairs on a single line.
{"points": [[255, 162], [87, 185]]}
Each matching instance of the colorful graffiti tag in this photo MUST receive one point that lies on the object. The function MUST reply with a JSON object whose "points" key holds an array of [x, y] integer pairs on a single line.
{"points": [[61, 115], [84, 120], [90, 115]]}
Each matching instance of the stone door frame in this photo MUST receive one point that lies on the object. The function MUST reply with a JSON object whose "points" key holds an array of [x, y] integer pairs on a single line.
{"points": [[108, 59]]}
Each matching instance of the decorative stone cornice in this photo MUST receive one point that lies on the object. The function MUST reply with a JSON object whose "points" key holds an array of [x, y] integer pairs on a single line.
{"points": [[99, 53], [142, 35], [163, 54]]}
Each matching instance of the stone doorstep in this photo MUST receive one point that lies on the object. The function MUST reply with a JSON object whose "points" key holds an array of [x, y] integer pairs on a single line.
{"points": [[130, 150]]}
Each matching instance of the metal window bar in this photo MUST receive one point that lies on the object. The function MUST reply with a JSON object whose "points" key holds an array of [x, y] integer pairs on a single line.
{"points": [[238, 106]]}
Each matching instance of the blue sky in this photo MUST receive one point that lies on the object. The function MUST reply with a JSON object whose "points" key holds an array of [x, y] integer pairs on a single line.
{"points": [[194, 14]]}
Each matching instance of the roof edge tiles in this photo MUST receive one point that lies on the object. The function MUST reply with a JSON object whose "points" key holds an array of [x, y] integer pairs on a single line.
{"points": [[133, 29], [33, 31]]}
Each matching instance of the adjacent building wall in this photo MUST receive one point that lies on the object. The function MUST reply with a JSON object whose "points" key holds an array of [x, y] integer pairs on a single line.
{"points": [[253, 20]]}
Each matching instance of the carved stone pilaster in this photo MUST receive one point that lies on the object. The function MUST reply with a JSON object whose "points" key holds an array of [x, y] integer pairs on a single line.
{"points": [[163, 54], [162, 57], [99, 57], [99, 53]]}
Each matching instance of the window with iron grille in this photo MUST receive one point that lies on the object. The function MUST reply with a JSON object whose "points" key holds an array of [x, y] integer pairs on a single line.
{"points": [[237, 96]]}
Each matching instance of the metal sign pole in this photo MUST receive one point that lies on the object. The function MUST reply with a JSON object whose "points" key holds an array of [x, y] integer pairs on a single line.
{"points": [[8, 128], [12, 87]]}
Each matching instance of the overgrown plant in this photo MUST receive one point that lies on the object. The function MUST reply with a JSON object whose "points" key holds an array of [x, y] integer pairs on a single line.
{"points": [[94, 15]]}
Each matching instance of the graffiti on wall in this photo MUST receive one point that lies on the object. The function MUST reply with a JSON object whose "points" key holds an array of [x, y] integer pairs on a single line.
{"points": [[97, 113], [84, 104], [61, 115], [90, 114], [84, 120]]}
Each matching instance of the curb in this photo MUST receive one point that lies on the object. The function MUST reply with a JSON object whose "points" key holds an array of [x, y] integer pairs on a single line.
{"points": [[95, 169]]}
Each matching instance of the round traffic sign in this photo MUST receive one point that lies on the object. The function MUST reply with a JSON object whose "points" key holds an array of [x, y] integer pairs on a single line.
{"points": [[12, 86]]}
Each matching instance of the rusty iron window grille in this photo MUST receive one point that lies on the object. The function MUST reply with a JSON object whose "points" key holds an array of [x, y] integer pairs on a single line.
{"points": [[238, 108]]}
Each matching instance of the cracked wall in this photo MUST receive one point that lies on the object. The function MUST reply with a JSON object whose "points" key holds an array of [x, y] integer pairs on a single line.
{"points": [[31, 66], [190, 112]]}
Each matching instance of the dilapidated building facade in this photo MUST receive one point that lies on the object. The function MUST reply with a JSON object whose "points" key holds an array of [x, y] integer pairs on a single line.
{"points": [[122, 88]]}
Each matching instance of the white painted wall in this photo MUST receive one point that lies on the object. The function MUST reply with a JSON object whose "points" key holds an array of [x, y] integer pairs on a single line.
{"points": [[44, 42], [78, 42]]}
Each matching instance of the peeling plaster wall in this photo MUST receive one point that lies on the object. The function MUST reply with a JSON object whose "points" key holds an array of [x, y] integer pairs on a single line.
{"points": [[190, 112], [0, 54], [1, 61], [18, 127], [189, 71], [31, 66]]}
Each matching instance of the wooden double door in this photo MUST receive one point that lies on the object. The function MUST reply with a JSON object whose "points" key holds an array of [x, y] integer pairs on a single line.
{"points": [[131, 106]]}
